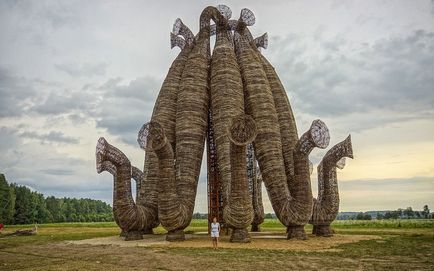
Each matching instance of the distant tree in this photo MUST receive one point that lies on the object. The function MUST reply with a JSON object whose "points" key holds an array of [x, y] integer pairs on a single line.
{"points": [[24, 208], [379, 216], [41, 214], [400, 212], [268, 216], [409, 213], [20, 205], [55, 208], [363, 216], [426, 211], [7, 201]]}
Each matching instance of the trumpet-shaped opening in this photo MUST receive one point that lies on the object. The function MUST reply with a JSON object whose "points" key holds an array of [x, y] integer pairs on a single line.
{"points": [[320, 134], [225, 11], [247, 17]]}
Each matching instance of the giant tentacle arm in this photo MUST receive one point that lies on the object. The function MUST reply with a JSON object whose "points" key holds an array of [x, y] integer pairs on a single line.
{"points": [[326, 206], [132, 218], [238, 212], [292, 207], [175, 210]]}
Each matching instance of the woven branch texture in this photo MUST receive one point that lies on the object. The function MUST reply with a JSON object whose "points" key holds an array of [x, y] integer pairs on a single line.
{"points": [[326, 206], [131, 217], [238, 212], [227, 100], [248, 104]]}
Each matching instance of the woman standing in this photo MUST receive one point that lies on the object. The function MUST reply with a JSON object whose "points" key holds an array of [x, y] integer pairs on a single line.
{"points": [[215, 233]]}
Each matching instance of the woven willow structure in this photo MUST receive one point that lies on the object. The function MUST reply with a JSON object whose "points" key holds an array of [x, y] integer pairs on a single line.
{"points": [[326, 206], [133, 218], [233, 98]]}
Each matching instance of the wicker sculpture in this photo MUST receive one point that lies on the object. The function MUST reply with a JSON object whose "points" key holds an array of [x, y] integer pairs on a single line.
{"points": [[238, 89], [133, 218], [326, 206]]}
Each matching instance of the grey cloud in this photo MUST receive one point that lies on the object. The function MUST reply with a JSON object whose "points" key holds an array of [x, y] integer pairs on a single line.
{"points": [[51, 137], [57, 171], [143, 88], [124, 127], [33, 165], [67, 101], [394, 74], [83, 70], [17, 94], [120, 108], [124, 108], [8, 139], [432, 8], [49, 13], [44, 169]]}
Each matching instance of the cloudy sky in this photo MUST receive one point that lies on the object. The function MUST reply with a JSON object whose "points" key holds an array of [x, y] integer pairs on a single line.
{"points": [[72, 71]]}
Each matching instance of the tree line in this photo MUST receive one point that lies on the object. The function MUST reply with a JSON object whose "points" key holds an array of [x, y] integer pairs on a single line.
{"points": [[407, 213], [20, 205], [400, 213]]}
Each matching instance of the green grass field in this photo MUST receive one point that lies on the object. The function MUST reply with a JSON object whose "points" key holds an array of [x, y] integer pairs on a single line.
{"points": [[401, 245]]}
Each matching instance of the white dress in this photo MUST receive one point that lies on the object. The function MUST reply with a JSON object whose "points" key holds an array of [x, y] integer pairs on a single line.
{"points": [[215, 229]]}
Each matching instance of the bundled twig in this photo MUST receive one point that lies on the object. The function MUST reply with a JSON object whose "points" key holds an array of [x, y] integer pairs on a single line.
{"points": [[238, 212], [326, 206]]}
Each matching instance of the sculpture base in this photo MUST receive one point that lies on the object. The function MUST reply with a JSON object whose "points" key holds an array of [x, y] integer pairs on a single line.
{"points": [[133, 235], [177, 235], [296, 232], [148, 231], [255, 228], [240, 236], [322, 230]]}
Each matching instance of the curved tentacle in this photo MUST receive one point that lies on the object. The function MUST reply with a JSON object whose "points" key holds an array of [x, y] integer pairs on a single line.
{"points": [[165, 113], [326, 206], [285, 115], [287, 125], [108, 166], [173, 211], [238, 212], [227, 99], [298, 213], [260, 105], [139, 177], [176, 210], [292, 204], [132, 218]]}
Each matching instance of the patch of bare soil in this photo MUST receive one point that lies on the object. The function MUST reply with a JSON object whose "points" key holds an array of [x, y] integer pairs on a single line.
{"points": [[262, 240]]}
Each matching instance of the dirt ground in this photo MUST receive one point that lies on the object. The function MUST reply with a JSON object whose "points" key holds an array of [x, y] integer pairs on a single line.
{"points": [[65, 247], [261, 240]]}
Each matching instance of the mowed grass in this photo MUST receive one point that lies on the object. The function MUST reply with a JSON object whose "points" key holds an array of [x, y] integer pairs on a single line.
{"points": [[404, 245]]}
